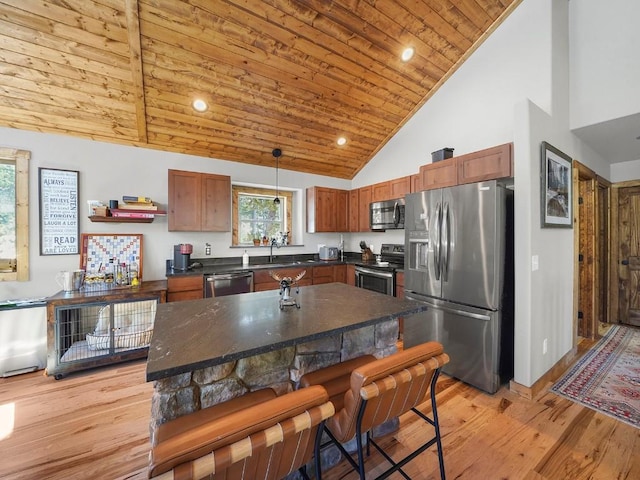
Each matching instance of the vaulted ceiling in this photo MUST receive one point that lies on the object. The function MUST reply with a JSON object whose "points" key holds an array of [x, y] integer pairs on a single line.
{"points": [[291, 74]]}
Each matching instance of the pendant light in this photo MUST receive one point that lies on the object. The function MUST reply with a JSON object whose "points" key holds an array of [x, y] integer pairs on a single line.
{"points": [[276, 153]]}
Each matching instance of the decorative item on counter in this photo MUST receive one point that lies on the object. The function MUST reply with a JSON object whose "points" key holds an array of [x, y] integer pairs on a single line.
{"points": [[265, 240], [367, 254], [286, 300], [256, 242]]}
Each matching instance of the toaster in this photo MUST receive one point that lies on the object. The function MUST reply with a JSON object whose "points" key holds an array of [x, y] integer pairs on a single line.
{"points": [[328, 253]]}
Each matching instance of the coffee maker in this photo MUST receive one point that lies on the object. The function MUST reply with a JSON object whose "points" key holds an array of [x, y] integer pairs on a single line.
{"points": [[182, 256]]}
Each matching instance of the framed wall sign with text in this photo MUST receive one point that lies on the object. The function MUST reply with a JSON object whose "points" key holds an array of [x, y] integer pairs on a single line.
{"points": [[59, 222]]}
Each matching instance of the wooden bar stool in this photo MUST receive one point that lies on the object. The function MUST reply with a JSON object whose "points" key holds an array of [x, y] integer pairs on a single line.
{"points": [[257, 436], [379, 391]]}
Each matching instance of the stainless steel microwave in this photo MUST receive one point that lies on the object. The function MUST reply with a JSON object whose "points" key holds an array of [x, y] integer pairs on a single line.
{"points": [[386, 215]]}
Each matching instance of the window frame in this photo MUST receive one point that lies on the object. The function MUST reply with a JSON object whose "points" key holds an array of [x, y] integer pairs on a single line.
{"points": [[237, 189], [21, 159]]}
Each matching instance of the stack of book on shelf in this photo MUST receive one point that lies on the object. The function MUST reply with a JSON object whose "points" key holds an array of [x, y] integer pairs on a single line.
{"points": [[136, 207]]}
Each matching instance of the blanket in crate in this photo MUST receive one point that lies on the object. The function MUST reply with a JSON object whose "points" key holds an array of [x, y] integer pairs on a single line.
{"points": [[132, 325]]}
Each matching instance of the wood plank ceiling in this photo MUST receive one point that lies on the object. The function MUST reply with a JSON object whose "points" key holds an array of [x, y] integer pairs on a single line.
{"points": [[291, 74]]}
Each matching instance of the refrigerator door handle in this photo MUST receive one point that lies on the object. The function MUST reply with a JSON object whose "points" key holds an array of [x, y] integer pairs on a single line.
{"points": [[436, 243], [464, 313], [409, 295], [446, 243]]}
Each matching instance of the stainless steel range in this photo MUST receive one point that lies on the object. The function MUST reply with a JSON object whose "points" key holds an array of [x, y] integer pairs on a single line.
{"points": [[380, 276]]}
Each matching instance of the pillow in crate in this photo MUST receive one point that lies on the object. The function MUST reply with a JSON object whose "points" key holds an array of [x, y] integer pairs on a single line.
{"points": [[132, 325]]}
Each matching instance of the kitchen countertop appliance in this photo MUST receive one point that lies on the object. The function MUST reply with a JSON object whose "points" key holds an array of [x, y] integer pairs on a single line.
{"points": [[380, 276], [182, 256], [222, 284], [387, 215], [328, 253], [459, 260]]}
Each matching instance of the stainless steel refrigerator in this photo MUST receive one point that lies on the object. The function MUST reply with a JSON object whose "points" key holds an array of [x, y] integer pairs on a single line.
{"points": [[459, 260]]}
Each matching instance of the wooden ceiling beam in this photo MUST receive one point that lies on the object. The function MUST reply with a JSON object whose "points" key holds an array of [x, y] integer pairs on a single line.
{"points": [[133, 28]]}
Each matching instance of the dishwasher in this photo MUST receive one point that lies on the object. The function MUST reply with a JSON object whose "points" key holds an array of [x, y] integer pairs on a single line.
{"points": [[221, 284]]}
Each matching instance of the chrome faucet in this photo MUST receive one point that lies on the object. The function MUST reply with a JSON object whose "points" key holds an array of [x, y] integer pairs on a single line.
{"points": [[271, 244]]}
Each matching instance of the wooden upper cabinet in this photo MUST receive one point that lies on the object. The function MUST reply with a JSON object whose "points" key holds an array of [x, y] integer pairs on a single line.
{"points": [[216, 203], [327, 210], [380, 192], [199, 202], [416, 185], [399, 187], [185, 201], [489, 164], [364, 199], [342, 213], [439, 174], [354, 210]]}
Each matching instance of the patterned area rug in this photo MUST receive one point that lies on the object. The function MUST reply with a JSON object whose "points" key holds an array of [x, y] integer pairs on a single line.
{"points": [[607, 377]]}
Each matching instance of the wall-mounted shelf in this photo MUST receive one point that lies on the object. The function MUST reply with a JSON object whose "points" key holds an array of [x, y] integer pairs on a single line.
{"points": [[95, 218]]}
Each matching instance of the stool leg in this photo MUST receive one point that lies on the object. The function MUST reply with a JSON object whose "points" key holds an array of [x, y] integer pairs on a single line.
{"points": [[436, 423]]}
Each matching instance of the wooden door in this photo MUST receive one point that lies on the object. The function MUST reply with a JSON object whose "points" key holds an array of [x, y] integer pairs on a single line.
{"points": [[629, 255], [364, 199], [586, 258], [342, 211], [325, 208], [185, 194], [354, 211], [399, 187], [380, 192], [439, 174], [216, 203]]}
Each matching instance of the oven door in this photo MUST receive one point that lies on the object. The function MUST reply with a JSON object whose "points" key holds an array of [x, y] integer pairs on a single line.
{"points": [[381, 281]]}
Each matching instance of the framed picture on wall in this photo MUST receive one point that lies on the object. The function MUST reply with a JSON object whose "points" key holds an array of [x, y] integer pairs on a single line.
{"points": [[59, 222], [556, 208]]}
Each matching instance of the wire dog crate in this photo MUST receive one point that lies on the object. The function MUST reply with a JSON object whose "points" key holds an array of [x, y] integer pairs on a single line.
{"points": [[102, 329], [99, 331]]}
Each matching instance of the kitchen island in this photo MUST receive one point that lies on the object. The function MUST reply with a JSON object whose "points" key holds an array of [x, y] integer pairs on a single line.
{"points": [[207, 351]]}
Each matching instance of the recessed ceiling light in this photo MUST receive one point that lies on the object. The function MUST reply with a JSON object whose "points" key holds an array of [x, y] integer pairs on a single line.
{"points": [[407, 53], [341, 141], [200, 105]]}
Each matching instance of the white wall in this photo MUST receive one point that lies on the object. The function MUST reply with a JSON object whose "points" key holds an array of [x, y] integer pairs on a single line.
{"points": [[625, 171], [473, 110], [514, 88], [109, 171], [605, 71]]}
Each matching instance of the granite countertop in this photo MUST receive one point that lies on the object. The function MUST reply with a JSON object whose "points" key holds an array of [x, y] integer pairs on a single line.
{"points": [[211, 266], [202, 333]]}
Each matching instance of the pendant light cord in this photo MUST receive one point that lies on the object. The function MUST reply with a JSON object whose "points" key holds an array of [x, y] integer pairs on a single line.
{"points": [[276, 153]]}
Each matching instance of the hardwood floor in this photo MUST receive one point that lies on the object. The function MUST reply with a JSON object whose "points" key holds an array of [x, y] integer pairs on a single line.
{"points": [[94, 425]]}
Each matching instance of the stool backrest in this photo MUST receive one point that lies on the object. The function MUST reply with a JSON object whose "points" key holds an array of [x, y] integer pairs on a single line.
{"points": [[265, 441], [390, 386]]}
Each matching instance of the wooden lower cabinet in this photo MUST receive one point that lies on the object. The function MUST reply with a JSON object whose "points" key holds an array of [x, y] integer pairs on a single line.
{"points": [[262, 278], [340, 273], [323, 274], [315, 276], [351, 275], [185, 287]]}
